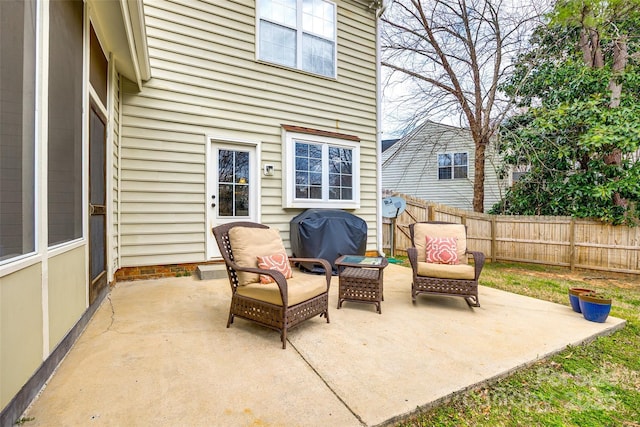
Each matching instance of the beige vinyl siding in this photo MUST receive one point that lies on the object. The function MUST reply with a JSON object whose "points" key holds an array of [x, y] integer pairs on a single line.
{"points": [[207, 82], [162, 185], [410, 167], [115, 178]]}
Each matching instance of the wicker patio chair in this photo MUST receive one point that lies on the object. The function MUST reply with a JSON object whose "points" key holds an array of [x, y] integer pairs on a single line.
{"points": [[459, 279], [280, 305]]}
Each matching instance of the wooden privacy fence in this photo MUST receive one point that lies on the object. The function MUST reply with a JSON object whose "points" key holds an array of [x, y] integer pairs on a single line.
{"points": [[549, 240]]}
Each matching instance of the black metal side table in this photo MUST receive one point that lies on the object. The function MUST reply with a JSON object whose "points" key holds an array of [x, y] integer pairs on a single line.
{"points": [[360, 279]]}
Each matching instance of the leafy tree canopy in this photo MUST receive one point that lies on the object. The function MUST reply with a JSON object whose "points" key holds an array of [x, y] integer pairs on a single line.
{"points": [[578, 133]]}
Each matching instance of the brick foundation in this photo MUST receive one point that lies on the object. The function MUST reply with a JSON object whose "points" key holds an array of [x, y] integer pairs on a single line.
{"points": [[171, 270], [156, 271]]}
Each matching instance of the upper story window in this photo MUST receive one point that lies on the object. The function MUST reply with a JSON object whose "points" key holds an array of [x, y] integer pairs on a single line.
{"points": [[453, 165], [322, 169], [298, 34]]}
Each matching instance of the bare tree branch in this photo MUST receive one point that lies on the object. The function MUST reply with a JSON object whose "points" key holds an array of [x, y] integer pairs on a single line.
{"points": [[450, 56]]}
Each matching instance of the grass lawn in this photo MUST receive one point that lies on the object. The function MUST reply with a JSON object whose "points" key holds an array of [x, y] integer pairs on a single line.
{"points": [[597, 384]]}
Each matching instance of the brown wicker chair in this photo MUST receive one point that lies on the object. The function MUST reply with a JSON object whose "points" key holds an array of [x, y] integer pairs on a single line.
{"points": [[278, 315], [441, 279]]}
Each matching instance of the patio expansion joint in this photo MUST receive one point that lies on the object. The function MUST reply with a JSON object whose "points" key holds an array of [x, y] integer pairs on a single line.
{"points": [[327, 384]]}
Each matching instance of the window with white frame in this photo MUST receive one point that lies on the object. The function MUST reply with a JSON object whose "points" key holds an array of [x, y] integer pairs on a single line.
{"points": [[453, 166], [321, 171], [298, 34]]}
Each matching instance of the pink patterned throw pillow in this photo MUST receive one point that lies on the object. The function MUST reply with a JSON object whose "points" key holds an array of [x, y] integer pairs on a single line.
{"points": [[278, 262], [442, 250]]}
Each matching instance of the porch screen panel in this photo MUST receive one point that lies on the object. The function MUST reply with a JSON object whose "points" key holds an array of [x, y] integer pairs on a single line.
{"points": [[17, 127], [65, 121], [97, 226], [97, 193], [98, 67]]}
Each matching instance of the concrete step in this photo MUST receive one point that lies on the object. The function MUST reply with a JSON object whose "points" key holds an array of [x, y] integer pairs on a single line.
{"points": [[211, 271]]}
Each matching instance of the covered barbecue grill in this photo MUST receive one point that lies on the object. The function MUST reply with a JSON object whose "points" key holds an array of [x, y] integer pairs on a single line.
{"points": [[327, 234]]}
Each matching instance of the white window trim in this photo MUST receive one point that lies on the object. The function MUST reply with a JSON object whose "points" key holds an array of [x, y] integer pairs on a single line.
{"points": [[17, 263], [210, 187], [452, 167], [289, 188], [299, 33]]}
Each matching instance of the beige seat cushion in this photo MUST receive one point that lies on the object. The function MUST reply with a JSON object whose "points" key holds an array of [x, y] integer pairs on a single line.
{"points": [[301, 288], [447, 271], [248, 243], [421, 231]]}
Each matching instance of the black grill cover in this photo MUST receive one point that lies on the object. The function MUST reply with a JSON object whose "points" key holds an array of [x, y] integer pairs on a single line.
{"points": [[327, 234]]}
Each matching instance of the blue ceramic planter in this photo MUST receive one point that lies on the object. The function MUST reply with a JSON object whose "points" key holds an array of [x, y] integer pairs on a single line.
{"points": [[593, 309], [574, 300]]}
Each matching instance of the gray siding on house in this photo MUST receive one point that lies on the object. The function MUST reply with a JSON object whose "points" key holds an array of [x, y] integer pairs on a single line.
{"points": [[410, 167], [206, 82]]}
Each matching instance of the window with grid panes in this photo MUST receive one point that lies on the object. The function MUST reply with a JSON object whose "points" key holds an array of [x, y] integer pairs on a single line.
{"points": [[299, 34], [324, 172], [453, 166]]}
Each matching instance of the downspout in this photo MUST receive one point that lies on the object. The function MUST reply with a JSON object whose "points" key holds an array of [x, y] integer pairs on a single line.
{"points": [[378, 13]]}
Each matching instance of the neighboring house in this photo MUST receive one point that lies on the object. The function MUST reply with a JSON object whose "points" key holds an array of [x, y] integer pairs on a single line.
{"points": [[130, 128], [435, 162]]}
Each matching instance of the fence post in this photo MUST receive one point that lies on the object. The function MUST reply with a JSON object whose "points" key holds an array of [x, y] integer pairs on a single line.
{"points": [[572, 244], [392, 240], [493, 239]]}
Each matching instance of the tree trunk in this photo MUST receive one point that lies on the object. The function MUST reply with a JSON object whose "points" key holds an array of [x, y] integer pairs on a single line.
{"points": [[598, 58], [590, 46], [620, 57], [478, 180], [584, 47]]}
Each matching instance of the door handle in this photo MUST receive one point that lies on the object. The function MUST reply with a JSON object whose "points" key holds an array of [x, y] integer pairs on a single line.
{"points": [[97, 209], [213, 205]]}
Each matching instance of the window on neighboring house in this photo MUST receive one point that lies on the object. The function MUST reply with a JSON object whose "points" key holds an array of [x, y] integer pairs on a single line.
{"points": [[453, 165], [518, 172], [64, 182], [322, 170], [516, 176], [299, 34], [17, 128]]}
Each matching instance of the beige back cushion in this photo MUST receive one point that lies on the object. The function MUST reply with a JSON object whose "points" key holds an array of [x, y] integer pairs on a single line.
{"points": [[247, 243], [421, 231]]}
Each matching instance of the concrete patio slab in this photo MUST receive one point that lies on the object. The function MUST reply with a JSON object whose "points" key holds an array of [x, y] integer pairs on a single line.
{"points": [[159, 353]]}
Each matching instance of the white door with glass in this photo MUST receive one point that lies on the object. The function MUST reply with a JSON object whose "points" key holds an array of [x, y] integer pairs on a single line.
{"points": [[232, 187]]}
